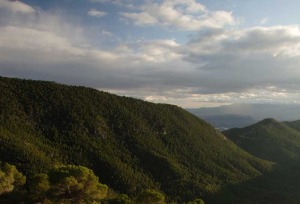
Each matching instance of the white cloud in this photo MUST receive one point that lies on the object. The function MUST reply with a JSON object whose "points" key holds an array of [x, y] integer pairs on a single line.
{"points": [[27, 40], [96, 13], [264, 21], [16, 6], [140, 19], [273, 41], [106, 33], [155, 51], [183, 15], [122, 3]]}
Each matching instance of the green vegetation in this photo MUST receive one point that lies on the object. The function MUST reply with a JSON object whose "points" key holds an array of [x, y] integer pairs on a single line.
{"points": [[131, 145], [68, 184], [268, 139], [272, 140], [197, 201], [10, 178], [150, 197]]}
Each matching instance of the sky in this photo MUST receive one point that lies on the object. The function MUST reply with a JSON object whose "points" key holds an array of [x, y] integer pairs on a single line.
{"points": [[190, 53]]}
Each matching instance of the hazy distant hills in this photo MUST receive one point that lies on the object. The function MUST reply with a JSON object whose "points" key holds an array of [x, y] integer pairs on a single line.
{"points": [[241, 115], [226, 121], [130, 144]]}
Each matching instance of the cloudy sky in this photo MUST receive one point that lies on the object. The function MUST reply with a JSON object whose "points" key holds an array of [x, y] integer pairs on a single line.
{"points": [[190, 53]]}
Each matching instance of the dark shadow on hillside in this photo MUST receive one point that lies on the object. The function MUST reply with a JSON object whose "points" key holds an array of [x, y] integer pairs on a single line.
{"points": [[281, 186]]}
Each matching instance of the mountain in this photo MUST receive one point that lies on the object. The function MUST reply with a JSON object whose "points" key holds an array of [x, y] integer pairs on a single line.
{"points": [[268, 139], [250, 113], [275, 141], [294, 124], [130, 144]]}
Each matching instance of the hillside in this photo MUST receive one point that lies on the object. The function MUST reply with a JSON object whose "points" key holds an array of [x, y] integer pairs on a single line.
{"points": [[293, 124], [275, 141], [130, 144], [268, 139]]}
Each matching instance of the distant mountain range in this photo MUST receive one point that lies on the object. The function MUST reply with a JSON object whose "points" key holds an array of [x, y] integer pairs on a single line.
{"points": [[241, 115]]}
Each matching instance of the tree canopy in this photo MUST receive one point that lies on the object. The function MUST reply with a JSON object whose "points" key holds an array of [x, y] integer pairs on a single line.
{"points": [[10, 178], [150, 197], [69, 184]]}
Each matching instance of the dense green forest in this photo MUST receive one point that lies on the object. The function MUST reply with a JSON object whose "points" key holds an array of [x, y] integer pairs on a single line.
{"points": [[269, 139], [275, 141], [129, 144], [67, 184]]}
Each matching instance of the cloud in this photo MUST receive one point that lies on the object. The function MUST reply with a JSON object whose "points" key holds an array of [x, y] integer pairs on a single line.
{"points": [[155, 51], [183, 15], [121, 3], [280, 41], [217, 66], [264, 21], [16, 6], [96, 13], [140, 19], [104, 1], [106, 33], [241, 60], [50, 50]]}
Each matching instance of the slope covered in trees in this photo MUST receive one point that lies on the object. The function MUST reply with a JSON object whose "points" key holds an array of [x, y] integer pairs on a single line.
{"points": [[268, 139], [130, 144], [275, 141]]}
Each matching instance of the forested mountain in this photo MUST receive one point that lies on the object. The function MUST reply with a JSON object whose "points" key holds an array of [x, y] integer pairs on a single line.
{"points": [[268, 139], [275, 141], [130, 144], [294, 124]]}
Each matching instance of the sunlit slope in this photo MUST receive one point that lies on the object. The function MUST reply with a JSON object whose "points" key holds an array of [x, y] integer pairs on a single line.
{"points": [[268, 139], [130, 144]]}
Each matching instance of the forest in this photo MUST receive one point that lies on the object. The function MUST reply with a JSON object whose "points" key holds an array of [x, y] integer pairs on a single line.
{"points": [[72, 144]]}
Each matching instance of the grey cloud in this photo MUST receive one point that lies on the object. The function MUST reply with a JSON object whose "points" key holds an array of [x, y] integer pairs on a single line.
{"points": [[217, 66], [244, 59], [96, 13]]}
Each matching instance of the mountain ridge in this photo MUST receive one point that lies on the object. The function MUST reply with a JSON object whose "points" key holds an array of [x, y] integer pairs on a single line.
{"points": [[276, 141], [268, 139], [130, 144]]}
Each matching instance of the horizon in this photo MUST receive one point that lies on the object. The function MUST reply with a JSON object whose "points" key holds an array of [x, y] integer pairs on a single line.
{"points": [[188, 53]]}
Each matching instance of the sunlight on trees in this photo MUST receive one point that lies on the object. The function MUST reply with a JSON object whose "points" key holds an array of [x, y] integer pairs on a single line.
{"points": [[150, 197], [10, 178], [68, 184]]}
